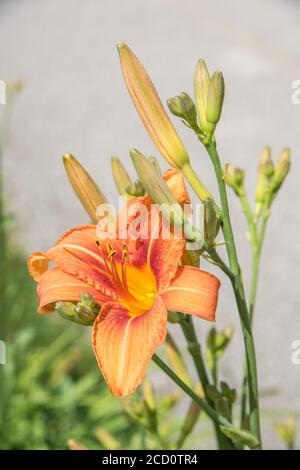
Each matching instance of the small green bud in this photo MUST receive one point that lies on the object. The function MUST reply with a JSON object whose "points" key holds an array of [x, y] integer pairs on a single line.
{"points": [[217, 342], [211, 223], [183, 106], [282, 169], [83, 313], [189, 109], [174, 105], [233, 177], [135, 189], [87, 300], [66, 310], [121, 177]]}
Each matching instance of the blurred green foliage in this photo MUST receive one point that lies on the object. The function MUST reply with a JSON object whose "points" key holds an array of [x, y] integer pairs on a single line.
{"points": [[51, 389]]}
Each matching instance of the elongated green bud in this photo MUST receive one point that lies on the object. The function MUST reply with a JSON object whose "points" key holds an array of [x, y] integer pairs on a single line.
{"points": [[282, 169], [121, 177], [160, 193], [209, 93], [201, 84], [265, 173], [215, 98]]}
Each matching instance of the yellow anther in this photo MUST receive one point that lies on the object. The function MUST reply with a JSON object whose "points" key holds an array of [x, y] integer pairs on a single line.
{"points": [[111, 252], [124, 251]]}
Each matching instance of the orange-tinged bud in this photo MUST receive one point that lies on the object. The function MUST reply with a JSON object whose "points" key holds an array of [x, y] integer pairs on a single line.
{"points": [[84, 186], [151, 110]]}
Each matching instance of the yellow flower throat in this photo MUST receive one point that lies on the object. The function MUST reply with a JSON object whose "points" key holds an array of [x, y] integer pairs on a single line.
{"points": [[136, 286]]}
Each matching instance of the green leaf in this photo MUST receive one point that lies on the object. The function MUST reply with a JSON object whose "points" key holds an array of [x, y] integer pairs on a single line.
{"points": [[240, 437]]}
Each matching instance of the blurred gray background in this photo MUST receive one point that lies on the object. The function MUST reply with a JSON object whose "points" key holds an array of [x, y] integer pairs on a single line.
{"points": [[74, 100]]}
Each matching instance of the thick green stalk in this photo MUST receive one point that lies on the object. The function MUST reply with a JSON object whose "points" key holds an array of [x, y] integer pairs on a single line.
{"points": [[238, 287], [216, 417], [196, 353]]}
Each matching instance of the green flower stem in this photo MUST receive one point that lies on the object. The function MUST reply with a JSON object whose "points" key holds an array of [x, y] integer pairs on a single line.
{"points": [[198, 186], [257, 240], [238, 287], [216, 417], [194, 348]]}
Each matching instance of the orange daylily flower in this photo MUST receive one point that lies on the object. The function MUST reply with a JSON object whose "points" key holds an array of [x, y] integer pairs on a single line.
{"points": [[135, 281]]}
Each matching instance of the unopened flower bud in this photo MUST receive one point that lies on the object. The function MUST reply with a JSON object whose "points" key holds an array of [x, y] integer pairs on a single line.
{"points": [[265, 173], [209, 94], [83, 313], [160, 193], [282, 168], [183, 106], [151, 110], [87, 300], [201, 89], [87, 191], [233, 177], [211, 223], [120, 175], [174, 105], [215, 98]]}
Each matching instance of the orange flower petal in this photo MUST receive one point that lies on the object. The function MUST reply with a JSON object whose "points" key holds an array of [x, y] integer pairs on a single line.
{"points": [[37, 264], [55, 285], [124, 345], [77, 253], [176, 183], [163, 255], [193, 291]]}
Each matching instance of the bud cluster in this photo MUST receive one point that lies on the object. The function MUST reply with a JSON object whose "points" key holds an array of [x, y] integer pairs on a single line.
{"points": [[83, 313]]}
